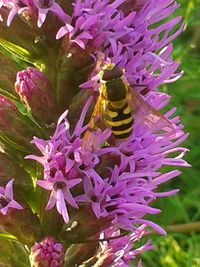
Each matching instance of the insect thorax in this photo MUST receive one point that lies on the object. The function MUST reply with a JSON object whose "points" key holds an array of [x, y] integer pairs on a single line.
{"points": [[115, 90], [113, 87]]}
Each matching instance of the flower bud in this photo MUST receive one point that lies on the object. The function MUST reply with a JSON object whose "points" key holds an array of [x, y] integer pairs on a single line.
{"points": [[47, 252], [35, 92]]}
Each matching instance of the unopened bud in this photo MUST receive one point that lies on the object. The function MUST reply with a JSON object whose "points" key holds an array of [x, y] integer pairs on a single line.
{"points": [[35, 92], [47, 252]]}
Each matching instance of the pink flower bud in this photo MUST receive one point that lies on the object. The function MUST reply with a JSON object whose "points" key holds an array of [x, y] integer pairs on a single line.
{"points": [[35, 92], [47, 252]]}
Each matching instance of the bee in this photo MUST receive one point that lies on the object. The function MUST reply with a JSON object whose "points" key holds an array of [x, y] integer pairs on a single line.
{"points": [[117, 104]]}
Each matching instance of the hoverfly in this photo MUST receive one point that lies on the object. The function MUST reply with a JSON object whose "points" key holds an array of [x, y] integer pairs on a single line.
{"points": [[116, 105]]}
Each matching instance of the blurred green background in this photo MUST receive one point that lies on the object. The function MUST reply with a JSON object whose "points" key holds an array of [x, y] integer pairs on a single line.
{"points": [[181, 249]]}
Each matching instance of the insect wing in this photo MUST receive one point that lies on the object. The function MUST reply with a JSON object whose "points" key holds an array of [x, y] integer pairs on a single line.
{"points": [[96, 118], [148, 115]]}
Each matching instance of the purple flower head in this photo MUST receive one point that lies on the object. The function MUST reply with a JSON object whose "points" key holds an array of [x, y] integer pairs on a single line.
{"points": [[35, 8], [119, 250], [87, 172], [65, 164], [47, 252], [92, 22], [124, 188], [130, 38], [6, 198]]}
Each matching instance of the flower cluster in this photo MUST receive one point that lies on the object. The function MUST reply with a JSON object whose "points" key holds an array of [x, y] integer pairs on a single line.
{"points": [[91, 184], [124, 188], [47, 252], [119, 250]]}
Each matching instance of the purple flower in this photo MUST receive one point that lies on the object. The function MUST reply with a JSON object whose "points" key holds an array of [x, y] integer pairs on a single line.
{"points": [[60, 192], [103, 26], [47, 252], [131, 39], [37, 8], [44, 6], [16, 7], [91, 22], [119, 250], [124, 188], [112, 182], [6, 198], [65, 165]]}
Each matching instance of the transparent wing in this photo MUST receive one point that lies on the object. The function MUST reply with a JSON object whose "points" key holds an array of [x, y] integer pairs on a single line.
{"points": [[148, 115], [95, 122]]}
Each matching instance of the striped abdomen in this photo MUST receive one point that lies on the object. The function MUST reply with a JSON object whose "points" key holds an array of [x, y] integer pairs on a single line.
{"points": [[119, 119]]}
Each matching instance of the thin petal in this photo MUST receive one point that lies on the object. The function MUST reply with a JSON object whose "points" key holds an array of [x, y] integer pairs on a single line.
{"points": [[42, 16], [96, 209], [14, 204], [11, 15], [61, 206], [45, 184], [4, 210], [69, 198], [52, 200], [156, 227], [9, 190]]}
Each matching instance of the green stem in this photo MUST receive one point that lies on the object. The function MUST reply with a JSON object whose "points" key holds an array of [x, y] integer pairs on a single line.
{"points": [[184, 228]]}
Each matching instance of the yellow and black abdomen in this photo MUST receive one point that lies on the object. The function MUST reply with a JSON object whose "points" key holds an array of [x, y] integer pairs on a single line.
{"points": [[119, 119]]}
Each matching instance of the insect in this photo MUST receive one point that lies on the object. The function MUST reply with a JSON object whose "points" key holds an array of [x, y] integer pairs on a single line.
{"points": [[117, 104]]}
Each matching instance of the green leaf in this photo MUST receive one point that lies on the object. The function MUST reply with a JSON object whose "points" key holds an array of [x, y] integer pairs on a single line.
{"points": [[16, 50], [8, 237], [20, 53], [13, 254]]}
